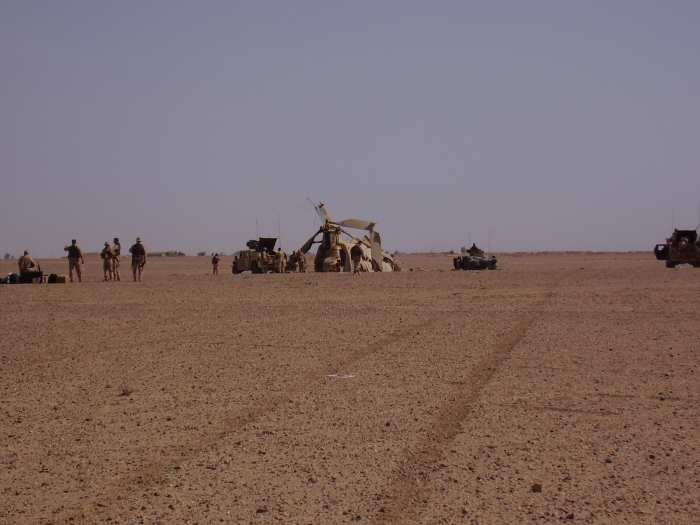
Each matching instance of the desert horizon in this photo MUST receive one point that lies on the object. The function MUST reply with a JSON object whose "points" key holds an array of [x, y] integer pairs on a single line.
{"points": [[9, 265]]}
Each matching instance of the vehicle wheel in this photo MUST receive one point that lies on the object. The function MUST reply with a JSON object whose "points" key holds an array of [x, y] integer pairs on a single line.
{"points": [[670, 264], [661, 252], [235, 270], [254, 268]]}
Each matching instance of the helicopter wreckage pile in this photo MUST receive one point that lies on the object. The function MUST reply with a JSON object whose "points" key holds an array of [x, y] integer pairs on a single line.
{"points": [[333, 254]]}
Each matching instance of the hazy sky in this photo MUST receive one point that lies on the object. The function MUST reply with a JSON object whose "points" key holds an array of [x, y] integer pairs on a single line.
{"points": [[557, 125]]}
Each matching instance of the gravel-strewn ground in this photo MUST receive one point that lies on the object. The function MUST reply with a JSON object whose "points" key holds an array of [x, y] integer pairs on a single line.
{"points": [[193, 398]]}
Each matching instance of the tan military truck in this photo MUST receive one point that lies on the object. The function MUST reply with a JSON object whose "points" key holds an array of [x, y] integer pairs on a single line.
{"points": [[258, 258], [683, 247]]}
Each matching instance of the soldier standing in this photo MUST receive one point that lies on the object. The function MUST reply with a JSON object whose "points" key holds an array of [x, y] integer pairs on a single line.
{"points": [[356, 254], [117, 251], [279, 260], [138, 259], [293, 262], [75, 259], [107, 255], [302, 261], [215, 264]]}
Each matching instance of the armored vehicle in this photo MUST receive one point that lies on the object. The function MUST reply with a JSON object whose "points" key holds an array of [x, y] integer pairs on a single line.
{"points": [[258, 258], [475, 259], [682, 247], [475, 262]]}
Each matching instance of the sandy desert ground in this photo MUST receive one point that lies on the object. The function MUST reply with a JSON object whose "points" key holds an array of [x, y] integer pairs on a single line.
{"points": [[193, 398]]}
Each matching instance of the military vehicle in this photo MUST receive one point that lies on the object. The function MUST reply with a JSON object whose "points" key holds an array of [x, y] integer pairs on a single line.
{"points": [[258, 258], [333, 254], [682, 247], [475, 259]]}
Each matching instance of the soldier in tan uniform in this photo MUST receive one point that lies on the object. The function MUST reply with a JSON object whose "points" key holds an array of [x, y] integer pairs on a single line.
{"points": [[107, 255], [26, 263], [138, 259], [75, 259], [279, 260], [117, 250], [302, 261], [356, 254], [29, 271]]}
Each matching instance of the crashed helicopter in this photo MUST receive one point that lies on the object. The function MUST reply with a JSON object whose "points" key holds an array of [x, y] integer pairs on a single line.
{"points": [[333, 254]]}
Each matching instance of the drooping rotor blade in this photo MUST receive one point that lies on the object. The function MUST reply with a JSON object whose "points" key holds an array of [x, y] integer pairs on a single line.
{"points": [[356, 224], [355, 239], [321, 211], [309, 243], [376, 247], [364, 240]]}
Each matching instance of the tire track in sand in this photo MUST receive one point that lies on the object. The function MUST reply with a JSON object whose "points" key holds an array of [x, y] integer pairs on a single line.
{"points": [[157, 471], [406, 496]]}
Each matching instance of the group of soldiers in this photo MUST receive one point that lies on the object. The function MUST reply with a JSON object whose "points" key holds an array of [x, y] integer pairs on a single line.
{"points": [[297, 261], [111, 258]]}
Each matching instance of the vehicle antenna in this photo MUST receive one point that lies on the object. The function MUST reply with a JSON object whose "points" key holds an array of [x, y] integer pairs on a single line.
{"points": [[279, 231], [256, 228]]}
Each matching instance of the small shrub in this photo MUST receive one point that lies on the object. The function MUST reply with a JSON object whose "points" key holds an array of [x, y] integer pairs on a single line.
{"points": [[125, 390]]}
